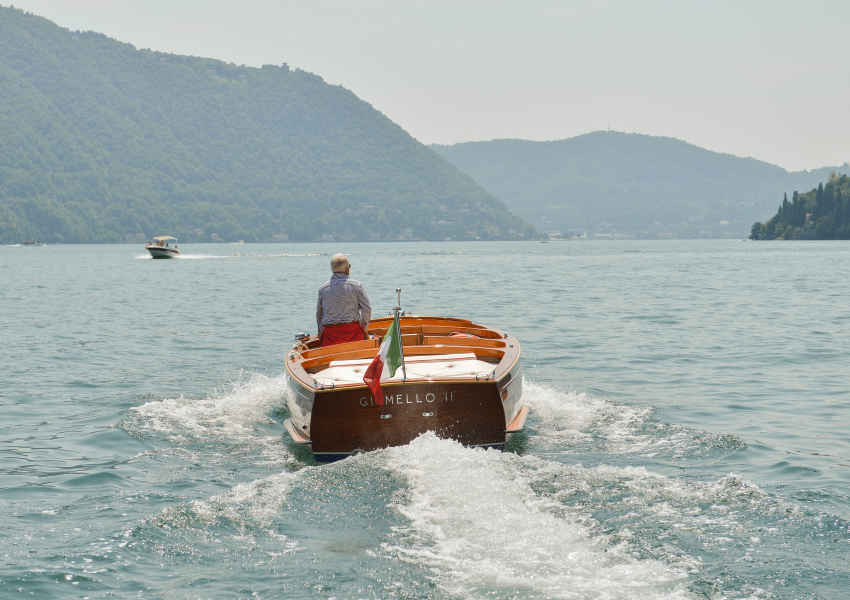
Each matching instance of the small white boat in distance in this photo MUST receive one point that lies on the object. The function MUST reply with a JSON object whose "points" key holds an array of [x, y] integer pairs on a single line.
{"points": [[162, 247]]}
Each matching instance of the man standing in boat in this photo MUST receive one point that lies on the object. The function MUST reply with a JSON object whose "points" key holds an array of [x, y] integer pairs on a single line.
{"points": [[343, 312]]}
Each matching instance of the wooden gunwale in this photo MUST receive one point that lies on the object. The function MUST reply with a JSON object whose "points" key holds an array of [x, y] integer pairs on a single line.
{"points": [[509, 359]]}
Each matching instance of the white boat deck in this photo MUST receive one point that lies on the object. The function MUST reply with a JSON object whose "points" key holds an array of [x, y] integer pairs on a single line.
{"points": [[419, 368]]}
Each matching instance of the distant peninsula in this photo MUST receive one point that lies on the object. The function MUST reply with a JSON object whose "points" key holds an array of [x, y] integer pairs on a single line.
{"points": [[610, 185], [103, 142], [820, 214]]}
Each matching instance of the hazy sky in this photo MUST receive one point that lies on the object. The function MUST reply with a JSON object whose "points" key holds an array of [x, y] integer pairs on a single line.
{"points": [[763, 78]]}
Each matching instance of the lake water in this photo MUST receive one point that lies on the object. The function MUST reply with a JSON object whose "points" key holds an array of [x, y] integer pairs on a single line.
{"points": [[688, 435]]}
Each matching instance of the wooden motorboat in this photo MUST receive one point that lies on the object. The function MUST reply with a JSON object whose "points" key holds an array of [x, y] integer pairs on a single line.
{"points": [[162, 247], [461, 380]]}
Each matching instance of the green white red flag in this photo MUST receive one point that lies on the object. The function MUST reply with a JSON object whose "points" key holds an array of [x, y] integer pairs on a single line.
{"points": [[386, 363]]}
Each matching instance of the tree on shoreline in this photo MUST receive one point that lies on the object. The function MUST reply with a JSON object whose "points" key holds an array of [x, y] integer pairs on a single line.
{"points": [[820, 214]]}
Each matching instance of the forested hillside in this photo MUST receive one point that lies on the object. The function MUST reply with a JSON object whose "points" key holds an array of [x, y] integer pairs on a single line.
{"points": [[100, 141], [821, 214], [629, 183]]}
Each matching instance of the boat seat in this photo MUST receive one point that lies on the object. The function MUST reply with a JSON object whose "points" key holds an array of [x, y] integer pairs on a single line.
{"points": [[441, 366]]}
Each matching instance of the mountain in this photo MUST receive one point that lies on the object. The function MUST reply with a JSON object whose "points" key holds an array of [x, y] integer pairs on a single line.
{"points": [[100, 141], [610, 182]]}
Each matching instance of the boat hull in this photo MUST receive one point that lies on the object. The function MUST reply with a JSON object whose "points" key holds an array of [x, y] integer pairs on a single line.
{"points": [[337, 423], [163, 252]]}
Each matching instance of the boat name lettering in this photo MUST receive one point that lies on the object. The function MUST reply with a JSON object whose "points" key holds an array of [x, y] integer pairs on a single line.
{"points": [[406, 399]]}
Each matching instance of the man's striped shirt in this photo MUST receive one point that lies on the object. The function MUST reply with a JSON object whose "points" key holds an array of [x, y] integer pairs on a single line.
{"points": [[343, 300]]}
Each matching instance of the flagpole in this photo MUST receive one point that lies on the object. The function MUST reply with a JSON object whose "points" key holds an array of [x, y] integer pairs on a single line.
{"points": [[397, 311]]}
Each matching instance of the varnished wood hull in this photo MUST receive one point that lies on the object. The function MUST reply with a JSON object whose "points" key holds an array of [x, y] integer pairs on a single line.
{"points": [[336, 423]]}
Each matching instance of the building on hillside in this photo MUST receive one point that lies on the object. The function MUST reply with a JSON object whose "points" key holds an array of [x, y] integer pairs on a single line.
{"points": [[280, 237]]}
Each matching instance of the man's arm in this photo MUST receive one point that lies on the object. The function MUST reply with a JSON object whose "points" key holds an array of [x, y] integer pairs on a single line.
{"points": [[319, 313], [365, 308]]}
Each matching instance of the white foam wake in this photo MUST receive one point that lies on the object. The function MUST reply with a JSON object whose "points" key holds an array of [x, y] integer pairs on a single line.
{"points": [[567, 419], [242, 518], [185, 256], [234, 416], [476, 522], [259, 500]]}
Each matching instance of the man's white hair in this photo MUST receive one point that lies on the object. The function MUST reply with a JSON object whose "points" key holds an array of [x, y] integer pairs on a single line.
{"points": [[339, 263]]}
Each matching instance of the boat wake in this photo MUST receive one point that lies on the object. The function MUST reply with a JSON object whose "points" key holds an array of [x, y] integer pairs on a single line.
{"points": [[582, 512], [184, 256], [239, 416], [480, 526], [573, 422], [585, 513]]}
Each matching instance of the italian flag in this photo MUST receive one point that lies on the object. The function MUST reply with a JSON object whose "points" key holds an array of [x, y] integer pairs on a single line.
{"points": [[386, 363]]}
